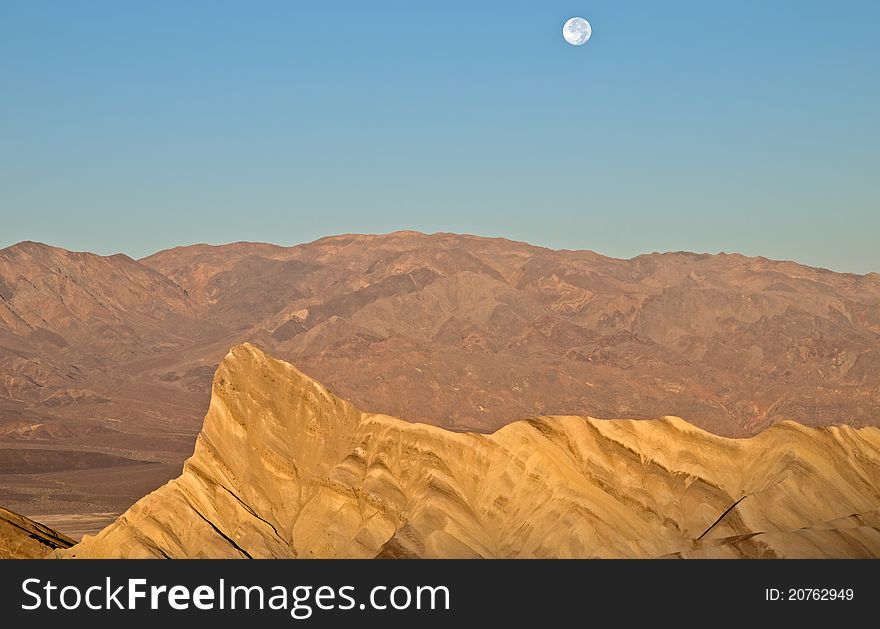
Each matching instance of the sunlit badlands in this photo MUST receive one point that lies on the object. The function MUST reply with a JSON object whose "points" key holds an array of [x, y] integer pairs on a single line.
{"points": [[284, 468]]}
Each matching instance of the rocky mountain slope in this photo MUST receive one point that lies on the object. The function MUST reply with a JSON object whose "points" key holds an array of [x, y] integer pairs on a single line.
{"points": [[471, 333], [114, 357], [22, 538], [284, 468], [75, 411]]}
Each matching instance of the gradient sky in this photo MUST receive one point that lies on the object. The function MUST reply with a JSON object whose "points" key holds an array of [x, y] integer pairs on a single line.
{"points": [[746, 126]]}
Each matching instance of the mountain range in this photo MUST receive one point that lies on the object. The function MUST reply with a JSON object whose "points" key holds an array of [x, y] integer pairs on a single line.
{"points": [[106, 362]]}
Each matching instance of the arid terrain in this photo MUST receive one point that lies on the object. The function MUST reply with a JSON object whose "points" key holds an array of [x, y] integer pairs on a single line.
{"points": [[106, 362], [284, 468], [22, 538]]}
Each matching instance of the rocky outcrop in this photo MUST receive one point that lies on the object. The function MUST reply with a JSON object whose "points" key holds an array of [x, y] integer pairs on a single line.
{"points": [[22, 538]]}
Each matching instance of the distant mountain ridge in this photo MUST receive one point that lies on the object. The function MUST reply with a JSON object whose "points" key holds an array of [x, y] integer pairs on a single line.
{"points": [[744, 341], [116, 356]]}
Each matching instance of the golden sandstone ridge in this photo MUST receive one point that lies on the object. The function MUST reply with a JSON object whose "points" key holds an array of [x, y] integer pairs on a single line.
{"points": [[283, 468]]}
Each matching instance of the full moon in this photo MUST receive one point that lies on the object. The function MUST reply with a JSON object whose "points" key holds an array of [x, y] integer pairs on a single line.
{"points": [[577, 31]]}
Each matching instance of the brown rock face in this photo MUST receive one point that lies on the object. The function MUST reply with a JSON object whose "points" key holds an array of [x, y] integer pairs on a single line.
{"points": [[22, 538], [81, 430], [283, 468], [115, 356], [472, 333]]}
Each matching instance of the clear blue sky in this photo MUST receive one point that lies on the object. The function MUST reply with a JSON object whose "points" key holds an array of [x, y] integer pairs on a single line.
{"points": [[747, 126]]}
